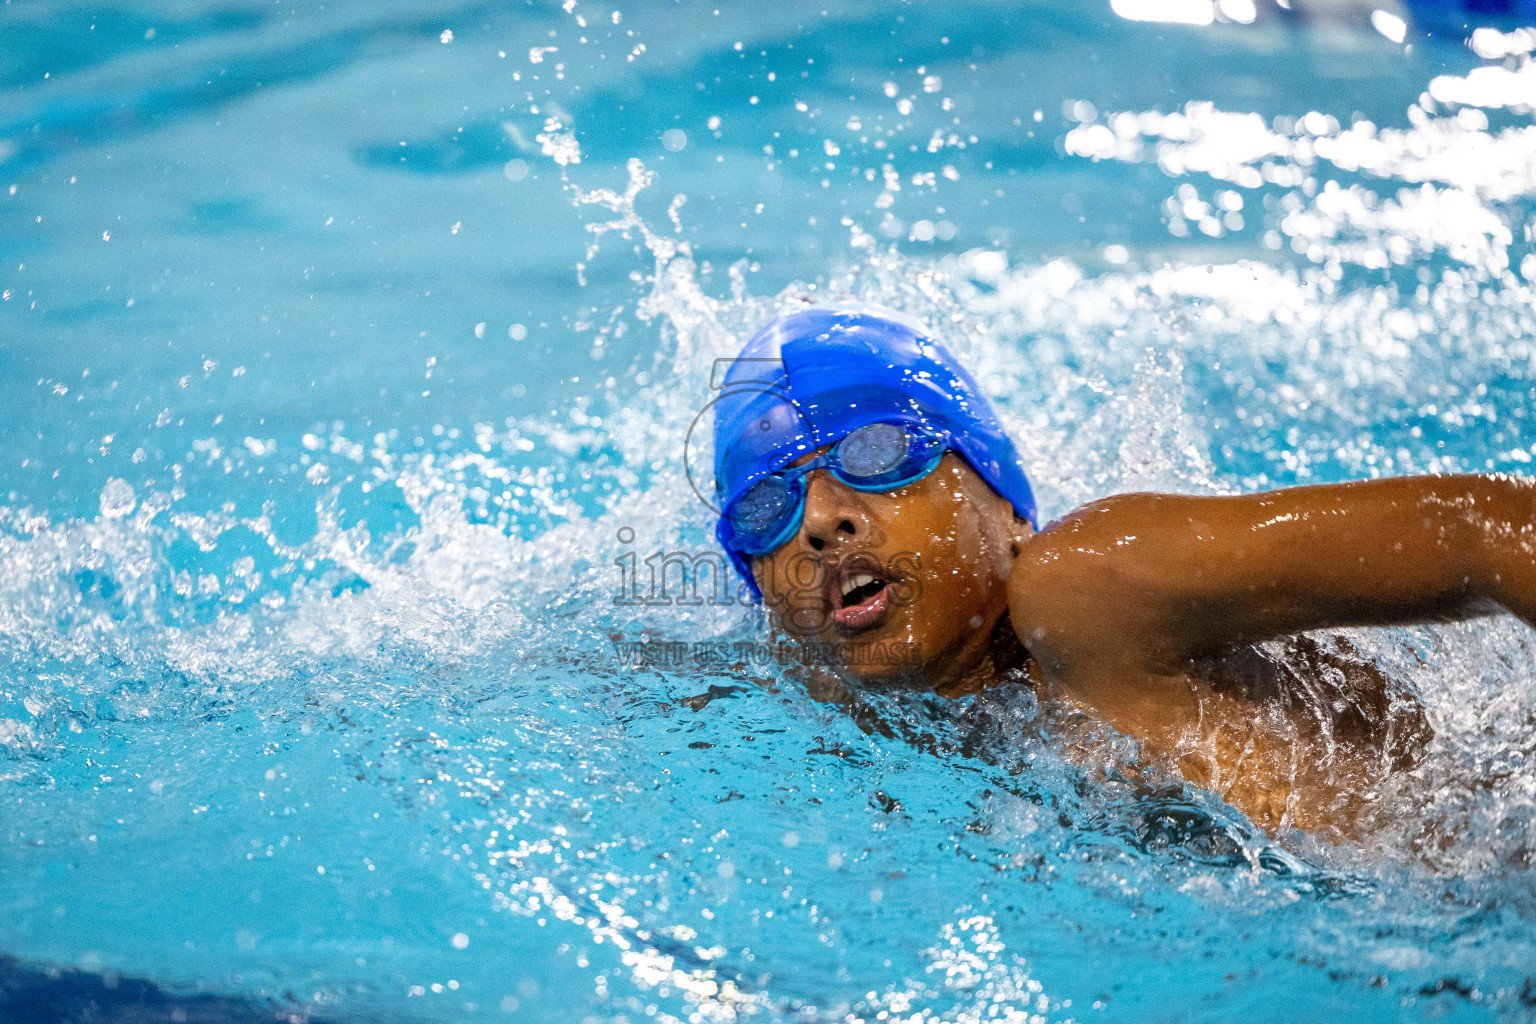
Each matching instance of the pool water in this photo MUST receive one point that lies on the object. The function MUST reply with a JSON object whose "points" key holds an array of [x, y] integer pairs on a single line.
{"points": [[349, 355]]}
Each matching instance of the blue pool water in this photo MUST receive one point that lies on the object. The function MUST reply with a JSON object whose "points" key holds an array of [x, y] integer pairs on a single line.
{"points": [[347, 351]]}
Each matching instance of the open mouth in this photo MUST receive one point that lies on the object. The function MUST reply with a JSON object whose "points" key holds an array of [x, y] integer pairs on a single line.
{"points": [[861, 597], [861, 588]]}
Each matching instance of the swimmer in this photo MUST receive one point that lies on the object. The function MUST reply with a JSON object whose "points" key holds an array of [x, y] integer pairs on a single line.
{"points": [[873, 502]]}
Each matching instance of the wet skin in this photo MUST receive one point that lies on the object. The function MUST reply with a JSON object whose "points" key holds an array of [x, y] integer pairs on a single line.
{"points": [[945, 545], [1141, 608]]}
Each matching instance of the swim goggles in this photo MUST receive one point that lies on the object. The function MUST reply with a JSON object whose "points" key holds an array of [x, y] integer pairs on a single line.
{"points": [[874, 458]]}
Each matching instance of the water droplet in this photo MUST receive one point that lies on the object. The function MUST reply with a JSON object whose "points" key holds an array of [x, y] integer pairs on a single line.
{"points": [[117, 499]]}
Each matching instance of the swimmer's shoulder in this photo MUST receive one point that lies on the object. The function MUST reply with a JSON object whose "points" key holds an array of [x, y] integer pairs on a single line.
{"points": [[1098, 584], [1124, 539]]}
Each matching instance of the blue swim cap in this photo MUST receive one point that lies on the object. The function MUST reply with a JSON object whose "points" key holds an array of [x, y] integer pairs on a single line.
{"points": [[813, 376]]}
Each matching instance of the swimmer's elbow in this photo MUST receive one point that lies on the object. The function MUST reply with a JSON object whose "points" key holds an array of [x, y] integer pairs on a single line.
{"points": [[1500, 546]]}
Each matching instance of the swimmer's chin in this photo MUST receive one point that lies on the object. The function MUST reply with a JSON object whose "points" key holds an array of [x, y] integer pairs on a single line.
{"points": [[877, 656], [892, 672], [861, 626]]}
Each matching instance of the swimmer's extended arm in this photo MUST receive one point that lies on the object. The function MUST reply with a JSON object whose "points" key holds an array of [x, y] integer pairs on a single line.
{"points": [[1144, 582]]}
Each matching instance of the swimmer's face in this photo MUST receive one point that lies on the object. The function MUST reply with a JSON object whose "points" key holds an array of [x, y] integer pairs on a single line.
{"points": [[906, 585]]}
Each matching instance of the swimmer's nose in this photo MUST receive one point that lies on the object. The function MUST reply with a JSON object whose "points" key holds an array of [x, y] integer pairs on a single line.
{"points": [[831, 515]]}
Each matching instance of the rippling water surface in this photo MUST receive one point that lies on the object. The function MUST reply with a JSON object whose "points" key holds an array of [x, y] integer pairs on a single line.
{"points": [[347, 352]]}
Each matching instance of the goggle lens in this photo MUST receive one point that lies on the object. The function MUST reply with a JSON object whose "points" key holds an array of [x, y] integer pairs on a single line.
{"points": [[764, 504], [872, 450]]}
